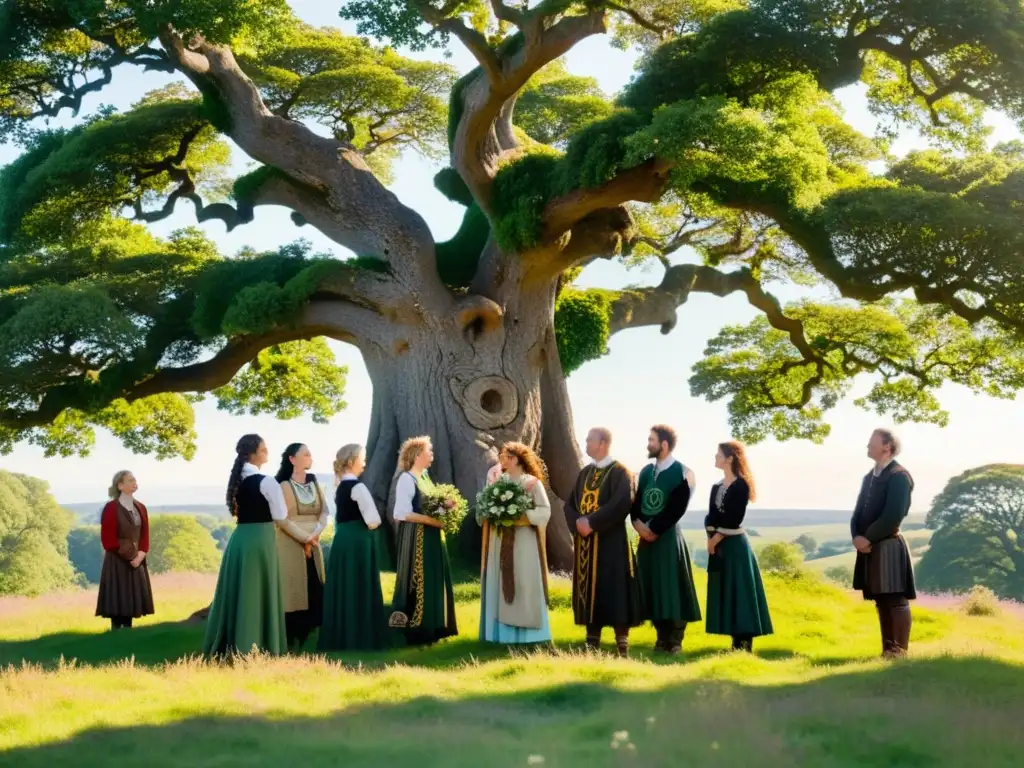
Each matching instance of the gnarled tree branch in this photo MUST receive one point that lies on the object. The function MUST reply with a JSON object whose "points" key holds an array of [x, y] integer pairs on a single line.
{"points": [[350, 204]]}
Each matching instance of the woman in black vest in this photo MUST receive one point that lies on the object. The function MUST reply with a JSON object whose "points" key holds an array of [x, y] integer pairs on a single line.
{"points": [[353, 618], [424, 601], [248, 608]]}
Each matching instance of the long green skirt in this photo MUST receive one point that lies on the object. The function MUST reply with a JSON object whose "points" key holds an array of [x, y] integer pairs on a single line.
{"points": [[384, 542], [248, 607], [354, 618], [423, 607], [737, 605], [666, 579]]}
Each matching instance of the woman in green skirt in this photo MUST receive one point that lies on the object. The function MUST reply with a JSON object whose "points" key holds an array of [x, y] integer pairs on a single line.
{"points": [[354, 617], [424, 603], [248, 607], [737, 605]]}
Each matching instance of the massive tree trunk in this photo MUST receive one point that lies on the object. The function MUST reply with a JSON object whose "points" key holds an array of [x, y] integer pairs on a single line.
{"points": [[471, 380]]}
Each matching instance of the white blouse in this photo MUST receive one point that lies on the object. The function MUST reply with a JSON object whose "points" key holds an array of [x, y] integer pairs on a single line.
{"points": [[271, 490], [405, 492], [364, 500]]}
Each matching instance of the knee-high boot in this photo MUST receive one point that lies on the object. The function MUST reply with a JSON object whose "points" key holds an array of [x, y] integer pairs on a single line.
{"points": [[901, 622]]}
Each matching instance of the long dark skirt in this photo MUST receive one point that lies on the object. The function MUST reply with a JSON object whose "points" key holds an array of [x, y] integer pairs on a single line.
{"points": [[248, 607], [423, 607], [299, 624], [886, 570], [666, 579], [737, 605], [125, 592], [354, 616]]}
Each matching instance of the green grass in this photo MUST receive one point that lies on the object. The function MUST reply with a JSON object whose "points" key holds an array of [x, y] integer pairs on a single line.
{"points": [[814, 694]]}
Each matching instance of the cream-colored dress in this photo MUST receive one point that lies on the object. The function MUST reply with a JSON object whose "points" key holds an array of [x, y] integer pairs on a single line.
{"points": [[524, 619], [308, 515]]}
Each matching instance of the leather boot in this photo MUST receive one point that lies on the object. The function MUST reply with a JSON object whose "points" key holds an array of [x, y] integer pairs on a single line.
{"points": [[661, 644], [743, 643], [885, 625], [622, 643], [593, 638], [901, 621], [675, 640]]}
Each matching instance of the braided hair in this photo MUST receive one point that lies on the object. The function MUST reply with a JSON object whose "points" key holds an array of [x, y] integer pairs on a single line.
{"points": [[287, 469], [244, 450]]}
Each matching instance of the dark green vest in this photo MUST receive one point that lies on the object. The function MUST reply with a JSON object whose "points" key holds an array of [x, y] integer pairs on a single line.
{"points": [[654, 491]]}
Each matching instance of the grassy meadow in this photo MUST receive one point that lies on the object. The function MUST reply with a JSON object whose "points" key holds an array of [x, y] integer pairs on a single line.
{"points": [[814, 694]]}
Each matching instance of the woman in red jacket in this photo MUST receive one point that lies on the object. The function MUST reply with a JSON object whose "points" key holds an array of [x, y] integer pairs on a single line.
{"points": [[125, 591]]}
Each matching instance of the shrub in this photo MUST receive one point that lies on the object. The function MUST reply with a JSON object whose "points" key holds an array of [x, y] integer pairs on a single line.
{"points": [[807, 543], [840, 574], [86, 552], [781, 557], [180, 543], [980, 601]]}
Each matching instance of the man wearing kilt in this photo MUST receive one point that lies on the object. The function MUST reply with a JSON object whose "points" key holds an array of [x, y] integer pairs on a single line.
{"points": [[663, 560], [883, 571]]}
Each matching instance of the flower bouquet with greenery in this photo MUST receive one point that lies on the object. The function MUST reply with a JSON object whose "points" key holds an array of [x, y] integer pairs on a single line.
{"points": [[502, 503], [445, 503]]}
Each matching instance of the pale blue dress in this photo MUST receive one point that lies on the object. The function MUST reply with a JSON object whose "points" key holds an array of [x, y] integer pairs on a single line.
{"points": [[492, 630]]}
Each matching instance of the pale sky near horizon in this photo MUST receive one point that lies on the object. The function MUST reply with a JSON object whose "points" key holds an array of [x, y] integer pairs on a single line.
{"points": [[642, 381]]}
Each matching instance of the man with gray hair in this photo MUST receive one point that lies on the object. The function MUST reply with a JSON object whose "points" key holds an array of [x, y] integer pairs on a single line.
{"points": [[605, 590], [883, 571]]}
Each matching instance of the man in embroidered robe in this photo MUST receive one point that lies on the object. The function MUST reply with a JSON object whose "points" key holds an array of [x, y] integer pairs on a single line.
{"points": [[666, 575], [605, 591], [883, 571]]}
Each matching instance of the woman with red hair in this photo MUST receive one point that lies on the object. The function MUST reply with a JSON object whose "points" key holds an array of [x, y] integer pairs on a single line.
{"points": [[737, 605]]}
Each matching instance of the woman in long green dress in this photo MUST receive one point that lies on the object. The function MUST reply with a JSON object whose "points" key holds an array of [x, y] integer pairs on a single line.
{"points": [[423, 607], [737, 605], [248, 607], [354, 618]]}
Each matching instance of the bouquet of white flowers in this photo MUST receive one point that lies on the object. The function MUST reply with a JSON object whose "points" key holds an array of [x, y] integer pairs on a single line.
{"points": [[503, 502], [445, 503]]}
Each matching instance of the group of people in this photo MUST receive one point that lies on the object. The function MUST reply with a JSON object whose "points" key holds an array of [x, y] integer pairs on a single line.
{"points": [[274, 587]]}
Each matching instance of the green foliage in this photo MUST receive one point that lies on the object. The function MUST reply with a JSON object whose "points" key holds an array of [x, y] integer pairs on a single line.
{"points": [[85, 551], [807, 543], [179, 543], [555, 105], [374, 99], [70, 178], [288, 380], [458, 257], [776, 392], [841, 575], [521, 190], [581, 326], [978, 521], [33, 538], [780, 557]]}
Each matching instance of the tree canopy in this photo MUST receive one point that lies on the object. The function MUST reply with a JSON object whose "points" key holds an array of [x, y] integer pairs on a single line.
{"points": [[728, 147], [978, 521], [33, 538]]}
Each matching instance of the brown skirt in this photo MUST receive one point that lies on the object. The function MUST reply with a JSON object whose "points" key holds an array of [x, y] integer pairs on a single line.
{"points": [[125, 592], [886, 570]]}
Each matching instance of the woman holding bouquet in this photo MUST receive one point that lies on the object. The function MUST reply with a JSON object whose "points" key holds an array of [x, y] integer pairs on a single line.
{"points": [[514, 511], [424, 601]]}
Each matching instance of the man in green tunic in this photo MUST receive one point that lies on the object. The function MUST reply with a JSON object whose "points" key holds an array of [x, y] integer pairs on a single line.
{"points": [[666, 575], [605, 591]]}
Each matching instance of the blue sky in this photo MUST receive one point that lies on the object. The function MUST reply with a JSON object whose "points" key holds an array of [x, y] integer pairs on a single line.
{"points": [[642, 381]]}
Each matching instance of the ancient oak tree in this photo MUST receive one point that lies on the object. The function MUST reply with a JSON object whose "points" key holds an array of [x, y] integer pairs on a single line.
{"points": [[728, 147]]}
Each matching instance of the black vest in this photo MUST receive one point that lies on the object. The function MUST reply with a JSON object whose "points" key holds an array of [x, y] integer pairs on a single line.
{"points": [[873, 493], [253, 506], [347, 507]]}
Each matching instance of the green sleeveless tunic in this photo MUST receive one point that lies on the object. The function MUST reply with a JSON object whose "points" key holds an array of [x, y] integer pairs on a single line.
{"points": [[666, 574]]}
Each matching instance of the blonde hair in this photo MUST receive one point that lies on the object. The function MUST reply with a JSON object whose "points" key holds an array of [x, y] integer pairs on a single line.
{"points": [[113, 492], [410, 451], [347, 456], [603, 434]]}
